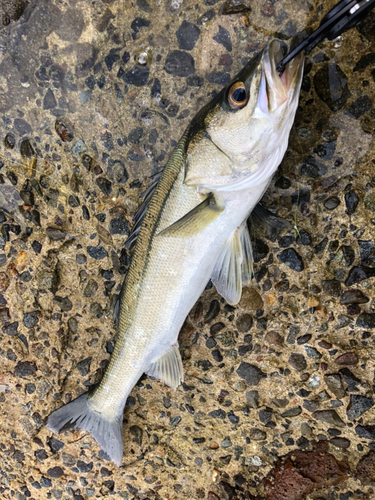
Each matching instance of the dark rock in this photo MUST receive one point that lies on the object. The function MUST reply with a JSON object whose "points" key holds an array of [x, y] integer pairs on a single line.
{"points": [[25, 369], [286, 241], [235, 7], [353, 297], [233, 418], [366, 320], [40, 455], [244, 323], [297, 361], [218, 414], [258, 435], [359, 107], [83, 466], [348, 358], [119, 226], [251, 373], [366, 431], [260, 250], [55, 234], [365, 471], [187, 35], [145, 6], [55, 472], [49, 101], [217, 355], [97, 253], [332, 287], [329, 416], [26, 150], [331, 203], [367, 251], [334, 385], [351, 201], [55, 444], [292, 259], [331, 85], [137, 432], [265, 415], [340, 442], [252, 399], [366, 60], [219, 78], [283, 183], [292, 412], [137, 76], [312, 168], [348, 254], [303, 339], [64, 303], [31, 319], [9, 141], [195, 81], [138, 24], [213, 311], [179, 63], [223, 37], [135, 135], [358, 405], [312, 352], [359, 273], [351, 380], [304, 238], [105, 185], [326, 151], [11, 328], [110, 60], [84, 366], [22, 126]]}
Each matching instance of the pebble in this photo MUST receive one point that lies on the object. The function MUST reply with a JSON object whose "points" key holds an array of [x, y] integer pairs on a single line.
{"points": [[25, 369], [329, 416], [366, 431], [251, 300], [83, 466], [137, 76], [258, 435], [119, 226], [179, 63], [312, 352], [55, 472], [64, 303], [252, 399], [358, 405], [104, 185], [49, 101], [334, 384], [340, 442], [218, 414], [366, 320], [332, 203], [359, 273], [187, 35], [332, 287], [55, 444], [244, 323], [297, 361], [84, 366], [348, 358], [353, 297], [250, 373], [348, 254], [11, 328], [235, 7], [359, 107], [292, 412], [351, 202], [97, 253], [369, 201], [367, 251], [223, 37], [336, 93], [260, 250], [292, 259]]}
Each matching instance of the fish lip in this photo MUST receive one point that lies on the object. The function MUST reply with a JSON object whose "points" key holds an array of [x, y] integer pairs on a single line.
{"points": [[281, 87]]}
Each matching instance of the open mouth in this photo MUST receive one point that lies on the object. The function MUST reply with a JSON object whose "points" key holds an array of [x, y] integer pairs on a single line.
{"points": [[281, 87]]}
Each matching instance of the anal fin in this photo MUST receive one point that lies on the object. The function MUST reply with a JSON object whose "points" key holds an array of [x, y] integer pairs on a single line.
{"points": [[168, 367], [195, 220], [234, 266]]}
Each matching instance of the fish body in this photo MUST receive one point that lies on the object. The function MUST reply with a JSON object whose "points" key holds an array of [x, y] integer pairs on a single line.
{"points": [[192, 228]]}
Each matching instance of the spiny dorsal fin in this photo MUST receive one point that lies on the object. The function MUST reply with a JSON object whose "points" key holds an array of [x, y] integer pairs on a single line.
{"points": [[195, 220], [234, 266], [168, 367]]}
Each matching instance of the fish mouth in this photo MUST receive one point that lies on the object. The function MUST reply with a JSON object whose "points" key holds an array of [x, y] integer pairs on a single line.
{"points": [[281, 87]]}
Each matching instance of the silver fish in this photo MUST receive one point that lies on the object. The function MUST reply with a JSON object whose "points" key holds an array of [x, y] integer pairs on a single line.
{"points": [[192, 227]]}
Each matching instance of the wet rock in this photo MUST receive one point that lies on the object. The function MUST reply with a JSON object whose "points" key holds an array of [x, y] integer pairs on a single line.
{"points": [[334, 385], [292, 259], [297, 361], [235, 7], [359, 273], [179, 63], [137, 25], [283, 183], [367, 251], [366, 431], [312, 168], [353, 297], [348, 254], [219, 78], [223, 37], [105, 185], [365, 470], [331, 85], [332, 287], [331, 203], [97, 253], [22, 126], [360, 107], [25, 369], [187, 35], [9, 141], [260, 250], [137, 76], [329, 416], [351, 201], [326, 151], [366, 320], [55, 234], [250, 373], [358, 405], [348, 358]]}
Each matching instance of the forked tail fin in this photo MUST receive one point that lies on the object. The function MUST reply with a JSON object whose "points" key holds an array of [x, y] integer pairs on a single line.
{"points": [[79, 415]]}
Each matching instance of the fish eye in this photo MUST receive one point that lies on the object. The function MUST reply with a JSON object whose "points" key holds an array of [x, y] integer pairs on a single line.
{"points": [[237, 95]]}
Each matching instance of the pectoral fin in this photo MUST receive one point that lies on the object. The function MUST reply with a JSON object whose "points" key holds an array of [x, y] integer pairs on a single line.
{"points": [[195, 220], [168, 367], [234, 266]]}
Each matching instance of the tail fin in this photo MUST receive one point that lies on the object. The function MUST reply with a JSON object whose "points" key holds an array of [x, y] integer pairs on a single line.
{"points": [[79, 415]]}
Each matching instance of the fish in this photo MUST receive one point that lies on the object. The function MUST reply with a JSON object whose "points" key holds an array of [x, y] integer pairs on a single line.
{"points": [[192, 227]]}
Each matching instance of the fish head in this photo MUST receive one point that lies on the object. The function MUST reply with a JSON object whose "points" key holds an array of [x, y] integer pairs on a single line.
{"points": [[249, 121]]}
